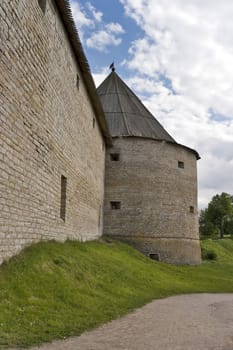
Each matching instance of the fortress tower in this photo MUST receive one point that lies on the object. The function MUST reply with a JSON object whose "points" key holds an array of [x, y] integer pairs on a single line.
{"points": [[150, 181]]}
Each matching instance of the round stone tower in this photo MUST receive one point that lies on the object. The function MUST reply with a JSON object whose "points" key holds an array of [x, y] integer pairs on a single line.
{"points": [[150, 181]]}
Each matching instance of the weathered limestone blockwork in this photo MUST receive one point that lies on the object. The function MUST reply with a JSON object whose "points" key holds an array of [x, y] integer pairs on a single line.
{"points": [[156, 196], [46, 130]]}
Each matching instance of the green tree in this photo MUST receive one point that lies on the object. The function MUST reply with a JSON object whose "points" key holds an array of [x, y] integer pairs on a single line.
{"points": [[228, 225], [217, 218], [206, 227]]}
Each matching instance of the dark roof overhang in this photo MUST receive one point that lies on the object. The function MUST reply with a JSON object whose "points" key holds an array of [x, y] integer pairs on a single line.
{"points": [[72, 33], [188, 149]]}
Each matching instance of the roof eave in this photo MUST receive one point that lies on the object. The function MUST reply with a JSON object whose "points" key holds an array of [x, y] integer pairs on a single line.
{"points": [[191, 150], [67, 18]]}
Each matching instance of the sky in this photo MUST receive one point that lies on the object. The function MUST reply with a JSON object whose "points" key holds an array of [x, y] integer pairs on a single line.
{"points": [[177, 56]]}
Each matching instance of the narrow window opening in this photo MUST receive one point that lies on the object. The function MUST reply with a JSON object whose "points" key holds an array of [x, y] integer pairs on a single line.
{"points": [[42, 4], [63, 198], [191, 209], [93, 122], [100, 216], [77, 81], [155, 256], [115, 157], [115, 205], [180, 164]]}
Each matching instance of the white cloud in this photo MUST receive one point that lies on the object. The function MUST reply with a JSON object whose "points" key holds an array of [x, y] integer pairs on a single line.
{"points": [[101, 40], [106, 37], [103, 34], [96, 14], [100, 76], [189, 43], [115, 28]]}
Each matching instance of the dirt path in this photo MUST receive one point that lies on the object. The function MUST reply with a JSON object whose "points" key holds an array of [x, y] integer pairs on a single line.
{"points": [[186, 322]]}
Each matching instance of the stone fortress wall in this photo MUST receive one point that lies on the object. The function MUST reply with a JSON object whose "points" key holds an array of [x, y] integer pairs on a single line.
{"points": [[151, 198], [50, 140], [53, 138]]}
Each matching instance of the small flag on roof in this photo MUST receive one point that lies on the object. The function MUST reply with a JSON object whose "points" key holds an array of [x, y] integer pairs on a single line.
{"points": [[112, 67]]}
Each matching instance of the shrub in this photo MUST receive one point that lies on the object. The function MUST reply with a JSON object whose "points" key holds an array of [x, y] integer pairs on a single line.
{"points": [[208, 255]]}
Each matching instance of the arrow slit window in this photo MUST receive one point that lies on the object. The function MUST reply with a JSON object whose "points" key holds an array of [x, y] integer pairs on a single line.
{"points": [[63, 198]]}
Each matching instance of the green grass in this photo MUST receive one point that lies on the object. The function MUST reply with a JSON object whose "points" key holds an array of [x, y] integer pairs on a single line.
{"points": [[54, 290]]}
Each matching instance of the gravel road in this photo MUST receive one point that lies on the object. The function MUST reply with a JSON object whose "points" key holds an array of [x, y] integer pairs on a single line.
{"points": [[185, 322]]}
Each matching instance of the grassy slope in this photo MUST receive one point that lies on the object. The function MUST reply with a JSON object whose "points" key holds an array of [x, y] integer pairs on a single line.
{"points": [[54, 290]]}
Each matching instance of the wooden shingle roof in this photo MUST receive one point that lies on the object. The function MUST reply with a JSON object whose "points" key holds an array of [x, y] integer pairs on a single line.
{"points": [[125, 113]]}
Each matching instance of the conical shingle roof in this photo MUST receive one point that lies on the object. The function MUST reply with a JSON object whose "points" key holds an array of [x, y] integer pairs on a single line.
{"points": [[125, 113]]}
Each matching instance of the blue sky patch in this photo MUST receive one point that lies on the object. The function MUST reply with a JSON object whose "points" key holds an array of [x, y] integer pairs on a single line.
{"points": [[113, 12]]}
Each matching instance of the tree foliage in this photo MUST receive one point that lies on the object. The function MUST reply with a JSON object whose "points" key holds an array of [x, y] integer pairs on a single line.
{"points": [[217, 218]]}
